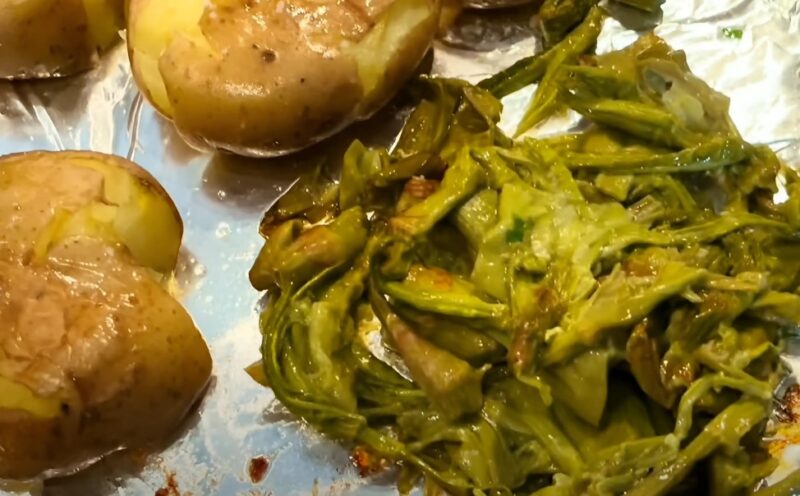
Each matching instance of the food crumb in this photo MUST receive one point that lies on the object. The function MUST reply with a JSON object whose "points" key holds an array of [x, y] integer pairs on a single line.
{"points": [[367, 463], [789, 406], [420, 188], [171, 488], [787, 432], [257, 469]]}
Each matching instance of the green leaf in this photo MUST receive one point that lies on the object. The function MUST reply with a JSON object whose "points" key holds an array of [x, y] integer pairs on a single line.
{"points": [[733, 33], [517, 233]]}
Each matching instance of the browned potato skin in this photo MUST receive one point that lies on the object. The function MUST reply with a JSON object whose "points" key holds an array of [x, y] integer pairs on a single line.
{"points": [[47, 38], [145, 389], [280, 89]]}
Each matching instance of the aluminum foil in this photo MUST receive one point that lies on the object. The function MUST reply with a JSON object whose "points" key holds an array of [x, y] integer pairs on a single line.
{"points": [[748, 49]]}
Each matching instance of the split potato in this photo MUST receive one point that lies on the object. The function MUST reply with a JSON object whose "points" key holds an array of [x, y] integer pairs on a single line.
{"points": [[268, 77], [95, 354], [52, 38]]}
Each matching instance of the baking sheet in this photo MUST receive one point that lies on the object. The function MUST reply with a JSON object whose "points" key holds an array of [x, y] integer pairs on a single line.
{"points": [[222, 199]]}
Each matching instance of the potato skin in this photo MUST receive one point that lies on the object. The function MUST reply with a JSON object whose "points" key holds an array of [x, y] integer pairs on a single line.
{"points": [[142, 175], [172, 369], [135, 383], [311, 100], [267, 80], [52, 38], [165, 231]]}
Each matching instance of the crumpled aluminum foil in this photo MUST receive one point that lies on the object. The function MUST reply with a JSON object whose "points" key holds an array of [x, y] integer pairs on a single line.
{"points": [[222, 200]]}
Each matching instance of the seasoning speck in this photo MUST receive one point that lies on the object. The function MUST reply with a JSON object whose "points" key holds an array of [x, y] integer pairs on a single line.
{"points": [[517, 233], [257, 469], [732, 33]]}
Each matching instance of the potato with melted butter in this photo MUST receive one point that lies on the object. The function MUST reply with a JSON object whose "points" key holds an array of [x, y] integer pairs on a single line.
{"points": [[95, 354], [52, 38], [268, 77]]}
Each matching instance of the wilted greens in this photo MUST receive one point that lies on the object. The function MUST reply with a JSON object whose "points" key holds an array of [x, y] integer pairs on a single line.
{"points": [[559, 17], [594, 313]]}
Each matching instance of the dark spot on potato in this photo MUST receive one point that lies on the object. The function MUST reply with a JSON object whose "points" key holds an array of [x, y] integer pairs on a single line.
{"points": [[268, 56], [257, 469], [56, 432], [302, 80], [65, 409], [27, 257]]}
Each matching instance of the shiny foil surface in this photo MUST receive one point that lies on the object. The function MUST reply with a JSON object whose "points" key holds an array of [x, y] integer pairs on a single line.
{"points": [[747, 49]]}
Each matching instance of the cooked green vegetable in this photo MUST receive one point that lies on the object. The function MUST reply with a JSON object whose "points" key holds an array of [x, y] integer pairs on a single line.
{"points": [[531, 69], [597, 313], [558, 17], [546, 99]]}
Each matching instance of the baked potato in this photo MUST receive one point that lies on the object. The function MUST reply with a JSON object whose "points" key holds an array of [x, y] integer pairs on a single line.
{"points": [[95, 354], [52, 38], [268, 77]]}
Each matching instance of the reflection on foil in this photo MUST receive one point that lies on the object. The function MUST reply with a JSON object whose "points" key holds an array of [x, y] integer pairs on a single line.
{"points": [[222, 198], [478, 30]]}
